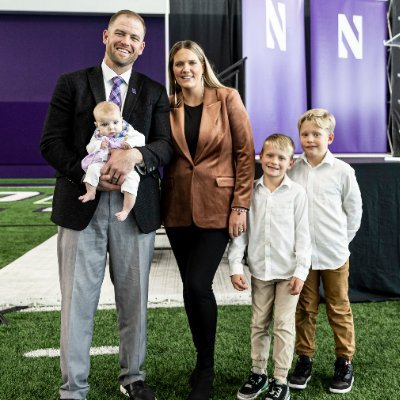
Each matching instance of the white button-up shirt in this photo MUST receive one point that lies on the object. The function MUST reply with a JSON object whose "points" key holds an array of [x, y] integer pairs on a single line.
{"points": [[335, 208], [278, 239]]}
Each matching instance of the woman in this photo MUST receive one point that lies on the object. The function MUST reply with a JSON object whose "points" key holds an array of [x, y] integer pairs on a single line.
{"points": [[206, 190]]}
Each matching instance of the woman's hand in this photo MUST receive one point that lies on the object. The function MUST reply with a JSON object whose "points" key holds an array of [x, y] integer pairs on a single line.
{"points": [[237, 223]]}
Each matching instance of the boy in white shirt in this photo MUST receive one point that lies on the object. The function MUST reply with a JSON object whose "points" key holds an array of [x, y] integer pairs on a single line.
{"points": [[279, 256], [335, 210]]}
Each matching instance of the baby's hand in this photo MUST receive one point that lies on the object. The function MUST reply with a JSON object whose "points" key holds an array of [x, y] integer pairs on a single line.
{"points": [[104, 144], [296, 284], [239, 282]]}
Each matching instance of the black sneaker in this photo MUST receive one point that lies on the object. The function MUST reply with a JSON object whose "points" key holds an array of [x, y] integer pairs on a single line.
{"points": [[278, 391], [343, 379], [301, 374], [138, 390], [253, 387]]}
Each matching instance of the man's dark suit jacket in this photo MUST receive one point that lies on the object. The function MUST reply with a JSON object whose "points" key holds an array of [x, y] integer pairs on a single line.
{"points": [[69, 125]]}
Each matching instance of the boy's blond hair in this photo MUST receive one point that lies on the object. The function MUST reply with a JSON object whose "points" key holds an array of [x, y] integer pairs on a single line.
{"points": [[105, 107], [319, 116], [282, 142]]}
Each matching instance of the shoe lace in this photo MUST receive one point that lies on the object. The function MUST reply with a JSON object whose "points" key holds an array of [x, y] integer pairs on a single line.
{"points": [[276, 390], [253, 379]]}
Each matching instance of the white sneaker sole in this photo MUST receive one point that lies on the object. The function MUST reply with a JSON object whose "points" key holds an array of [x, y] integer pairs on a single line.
{"points": [[251, 396], [296, 386], [347, 390]]}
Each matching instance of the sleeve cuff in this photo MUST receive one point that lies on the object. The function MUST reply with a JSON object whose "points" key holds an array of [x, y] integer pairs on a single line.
{"points": [[235, 268], [141, 168], [301, 272]]}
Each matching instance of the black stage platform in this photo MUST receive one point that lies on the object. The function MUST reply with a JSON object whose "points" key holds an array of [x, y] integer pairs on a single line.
{"points": [[375, 251]]}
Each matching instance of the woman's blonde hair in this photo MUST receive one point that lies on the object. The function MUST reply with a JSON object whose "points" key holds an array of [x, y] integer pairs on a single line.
{"points": [[319, 116], [209, 78]]}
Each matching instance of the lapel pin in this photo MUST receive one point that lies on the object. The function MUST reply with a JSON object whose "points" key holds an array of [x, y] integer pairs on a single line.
{"points": [[133, 90]]}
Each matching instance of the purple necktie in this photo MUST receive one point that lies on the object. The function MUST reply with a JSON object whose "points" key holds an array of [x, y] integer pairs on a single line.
{"points": [[115, 94]]}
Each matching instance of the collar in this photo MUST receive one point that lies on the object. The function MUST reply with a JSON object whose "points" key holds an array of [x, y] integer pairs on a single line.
{"points": [[328, 159], [285, 182], [108, 73]]}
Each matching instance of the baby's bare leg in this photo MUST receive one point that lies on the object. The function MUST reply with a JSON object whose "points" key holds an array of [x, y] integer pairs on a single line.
{"points": [[129, 202], [90, 193]]}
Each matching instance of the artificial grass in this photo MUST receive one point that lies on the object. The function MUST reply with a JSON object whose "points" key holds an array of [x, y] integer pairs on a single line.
{"points": [[171, 356], [27, 181], [23, 224], [16, 241]]}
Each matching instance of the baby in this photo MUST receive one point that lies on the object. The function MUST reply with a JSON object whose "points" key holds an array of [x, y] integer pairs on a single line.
{"points": [[112, 132]]}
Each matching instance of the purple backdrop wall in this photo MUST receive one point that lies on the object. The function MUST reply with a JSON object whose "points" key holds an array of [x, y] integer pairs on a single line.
{"points": [[35, 50], [275, 77], [348, 71]]}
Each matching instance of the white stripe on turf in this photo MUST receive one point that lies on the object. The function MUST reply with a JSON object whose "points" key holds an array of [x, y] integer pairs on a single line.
{"points": [[94, 351]]}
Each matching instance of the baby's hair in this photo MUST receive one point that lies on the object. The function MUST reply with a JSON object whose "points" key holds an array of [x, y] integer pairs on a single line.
{"points": [[105, 107], [319, 116], [282, 142]]}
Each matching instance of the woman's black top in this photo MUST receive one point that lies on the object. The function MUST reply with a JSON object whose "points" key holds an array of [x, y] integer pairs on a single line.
{"points": [[192, 126]]}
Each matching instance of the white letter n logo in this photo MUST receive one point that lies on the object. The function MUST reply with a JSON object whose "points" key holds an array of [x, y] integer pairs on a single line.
{"points": [[278, 25], [345, 31]]}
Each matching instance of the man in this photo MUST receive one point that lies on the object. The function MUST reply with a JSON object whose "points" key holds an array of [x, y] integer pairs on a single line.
{"points": [[88, 230]]}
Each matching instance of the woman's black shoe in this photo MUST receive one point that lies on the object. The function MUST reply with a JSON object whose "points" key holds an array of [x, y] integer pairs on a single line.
{"points": [[201, 381]]}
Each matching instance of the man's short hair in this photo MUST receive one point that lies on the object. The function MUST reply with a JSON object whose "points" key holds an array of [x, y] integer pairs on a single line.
{"points": [[129, 13]]}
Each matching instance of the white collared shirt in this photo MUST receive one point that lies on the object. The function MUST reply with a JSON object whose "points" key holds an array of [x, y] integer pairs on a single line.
{"points": [[108, 74], [278, 238], [335, 208]]}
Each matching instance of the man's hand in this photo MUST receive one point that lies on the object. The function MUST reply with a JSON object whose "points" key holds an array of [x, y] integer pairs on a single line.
{"points": [[120, 164], [125, 146], [239, 282], [106, 186]]}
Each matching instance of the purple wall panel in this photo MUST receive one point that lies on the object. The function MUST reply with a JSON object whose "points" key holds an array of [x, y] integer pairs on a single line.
{"points": [[348, 69], [275, 77], [38, 49]]}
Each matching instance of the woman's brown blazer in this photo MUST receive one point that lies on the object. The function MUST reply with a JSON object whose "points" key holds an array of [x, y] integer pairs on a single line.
{"points": [[203, 190]]}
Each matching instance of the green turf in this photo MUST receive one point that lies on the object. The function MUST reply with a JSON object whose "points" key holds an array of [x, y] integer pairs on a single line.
{"points": [[27, 181], [171, 357], [22, 224], [170, 353]]}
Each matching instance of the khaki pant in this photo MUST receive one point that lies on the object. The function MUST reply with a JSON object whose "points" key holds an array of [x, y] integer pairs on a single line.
{"points": [[338, 310], [272, 297]]}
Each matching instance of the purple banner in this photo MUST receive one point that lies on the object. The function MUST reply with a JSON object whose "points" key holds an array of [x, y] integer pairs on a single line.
{"points": [[348, 71], [273, 42]]}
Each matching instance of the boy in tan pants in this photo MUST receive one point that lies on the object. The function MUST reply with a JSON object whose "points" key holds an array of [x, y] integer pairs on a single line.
{"points": [[279, 255], [335, 210]]}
